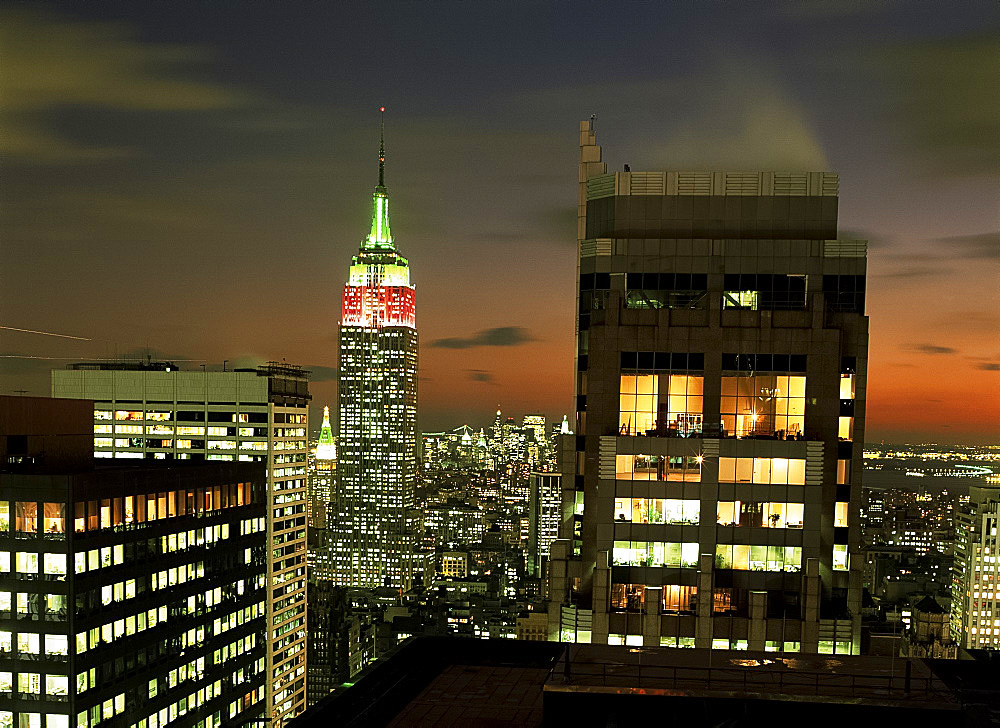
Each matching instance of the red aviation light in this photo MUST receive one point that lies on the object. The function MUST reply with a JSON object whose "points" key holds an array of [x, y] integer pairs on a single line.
{"points": [[378, 306]]}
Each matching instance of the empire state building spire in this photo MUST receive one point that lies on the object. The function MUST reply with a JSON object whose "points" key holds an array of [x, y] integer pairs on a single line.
{"points": [[380, 236]]}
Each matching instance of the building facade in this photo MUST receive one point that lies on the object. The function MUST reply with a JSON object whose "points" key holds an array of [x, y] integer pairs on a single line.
{"points": [[133, 594], [154, 411], [375, 525], [544, 515], [721, 372], [975, 595]]}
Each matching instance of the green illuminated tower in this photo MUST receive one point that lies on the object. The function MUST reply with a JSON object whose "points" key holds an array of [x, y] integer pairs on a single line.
{"points": [[372, 530]]}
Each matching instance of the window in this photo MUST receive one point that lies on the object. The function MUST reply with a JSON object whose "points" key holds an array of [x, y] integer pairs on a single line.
{"points": [[27, 643], [128, 415], [657, 510], [766, 292], [628, 597], [758, 558], [54, 518], [684, 404], [773, 471], [4, 517], [638, 399], [759, 515], [55, 564], [57, 685], [841, 559], [26, 517], [6, 682], [56, 644], [763, 405], [26, 562], [655, 553], [658, 467], [679, 598], [29, 682], [840, 514], [740, 299]]}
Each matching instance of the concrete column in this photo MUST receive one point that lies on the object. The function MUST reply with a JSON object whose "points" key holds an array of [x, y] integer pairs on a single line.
{"points": [[758, 621], [558, 585], [703, 620], [810, 610], [601, 597], [651, 616]]}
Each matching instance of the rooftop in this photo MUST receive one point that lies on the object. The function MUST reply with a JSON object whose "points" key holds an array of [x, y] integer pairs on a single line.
{"points": [[442, 681]]}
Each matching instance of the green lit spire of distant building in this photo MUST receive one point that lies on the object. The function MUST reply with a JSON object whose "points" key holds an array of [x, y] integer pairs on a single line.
{"points": [[325, 449], [380, 236]]}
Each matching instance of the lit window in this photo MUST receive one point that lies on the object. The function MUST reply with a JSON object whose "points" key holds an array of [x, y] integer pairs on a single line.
{"points": [[26, 562], [841, 558]]}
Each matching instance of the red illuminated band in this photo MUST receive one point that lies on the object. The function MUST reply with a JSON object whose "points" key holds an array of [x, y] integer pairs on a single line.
{"points": [[379, 306]]}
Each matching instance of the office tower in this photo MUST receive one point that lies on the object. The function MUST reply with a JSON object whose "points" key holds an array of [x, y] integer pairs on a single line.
{"points": [[152, 410], [975, 611], [133, 592], [375, 523], [544, 510], [721, 372], [322, 474]]}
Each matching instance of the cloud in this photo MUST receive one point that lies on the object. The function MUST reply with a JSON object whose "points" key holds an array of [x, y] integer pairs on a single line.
{"points": [[502, 336], [51, 61], [990, 366], [479, 375], [319, 373], [939, 100], [932, 349], [980, 245], [738, 116]]}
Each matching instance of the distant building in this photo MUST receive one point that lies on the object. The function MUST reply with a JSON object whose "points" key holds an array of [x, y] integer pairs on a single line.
{"points": [[134, 592], [455, 564], [975, 611], [375, 524], [929, 632], [544, 514], [533, 626], [322, 475], [152, 410], [341, 639]]}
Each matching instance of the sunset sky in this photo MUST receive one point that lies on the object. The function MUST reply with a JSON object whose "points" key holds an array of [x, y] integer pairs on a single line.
{"points": [[191, 179]]}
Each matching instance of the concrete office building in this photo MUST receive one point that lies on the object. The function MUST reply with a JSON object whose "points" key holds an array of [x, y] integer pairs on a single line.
{"points": [[152, 410], [544, 512], [975, 609], [134, 592], [721, 373], [374, 527]]}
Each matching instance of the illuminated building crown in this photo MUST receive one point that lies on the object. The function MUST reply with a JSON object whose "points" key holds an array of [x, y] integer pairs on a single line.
{"points": [[380, 236], [326, 449]]}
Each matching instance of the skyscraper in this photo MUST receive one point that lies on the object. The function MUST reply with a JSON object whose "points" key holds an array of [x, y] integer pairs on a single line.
{"points": [[975, 595], [721, 374], [374, 524], [133, 593], [152, 410]]}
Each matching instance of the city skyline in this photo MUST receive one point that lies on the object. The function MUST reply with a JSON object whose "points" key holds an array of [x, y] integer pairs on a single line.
{"points": [[189, 144]]}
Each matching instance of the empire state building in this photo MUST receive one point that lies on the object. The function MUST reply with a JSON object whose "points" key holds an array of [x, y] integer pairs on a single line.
{"points": [[373, 525]]}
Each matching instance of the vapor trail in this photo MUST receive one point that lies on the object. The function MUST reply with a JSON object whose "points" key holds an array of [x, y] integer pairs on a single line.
{"points": [[45, 333]]}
